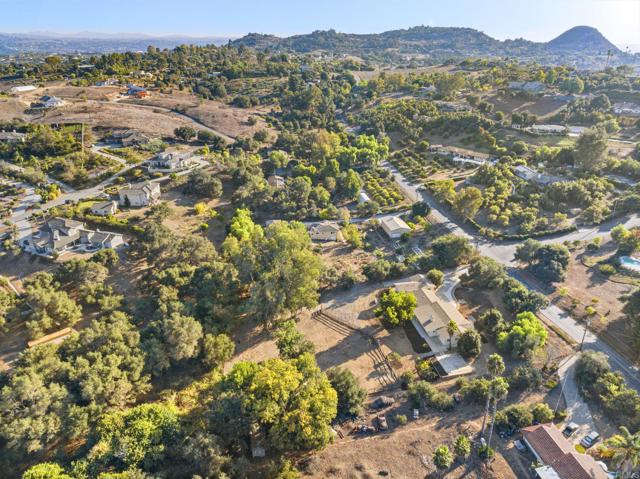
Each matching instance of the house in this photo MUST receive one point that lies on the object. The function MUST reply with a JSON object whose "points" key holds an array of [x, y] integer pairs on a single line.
{"points": [[431, 317], [558, 457], [170, 161], [50, 102], [548, 129], [276, 181], [394, 226], [16, 90], [130, 138], [325, 231], [528, 174], [62, 234], [576, 130], [626, 108], [105, 208], [529, 87], [108, 82], [143, 194], [12, 137], [136, 91]]}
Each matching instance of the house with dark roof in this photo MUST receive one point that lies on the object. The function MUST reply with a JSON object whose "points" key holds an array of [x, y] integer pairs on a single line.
{"points": [[557, 457]]}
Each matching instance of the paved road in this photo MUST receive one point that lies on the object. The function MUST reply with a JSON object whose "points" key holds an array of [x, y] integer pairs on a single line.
{"points": [[503, 252]]}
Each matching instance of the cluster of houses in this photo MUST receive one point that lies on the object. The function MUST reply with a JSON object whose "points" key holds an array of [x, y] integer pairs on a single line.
{"points": [[528, 87], [528, 174], [626, 108], [136, 91]]}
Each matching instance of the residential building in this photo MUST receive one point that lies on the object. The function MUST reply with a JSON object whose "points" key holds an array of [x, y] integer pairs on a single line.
{"points": [[626, 108], [530, 87], [62, 234], [325, 231], [432, 315], [276, 181], [528, 174], [12, 137], [170, 161], [128, 138], [16, 90], [142, 194], [105, 208], [363, 198], [576, 130], [394, 226], [548, 129], [136, 91], [558, 457], [49, 102]]}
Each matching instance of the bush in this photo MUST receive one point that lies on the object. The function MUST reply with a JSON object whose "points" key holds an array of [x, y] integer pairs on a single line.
{"points": [[542, 413], [350, 395], [426, 370], [607, 269], [469, 344], [475, 390], [401, 419], [516, 416], [462, 446], [525, 378], [396, 307], [423, 393], [485, 453], [435, 276]]}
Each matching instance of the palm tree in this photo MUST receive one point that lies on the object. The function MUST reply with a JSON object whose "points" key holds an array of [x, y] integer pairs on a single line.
{"points": [[626, 450], [452, 329], [499, 390], [495, 366]]}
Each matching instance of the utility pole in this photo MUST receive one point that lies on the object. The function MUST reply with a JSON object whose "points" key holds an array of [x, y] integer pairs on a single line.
{"points": [[586, 328]]}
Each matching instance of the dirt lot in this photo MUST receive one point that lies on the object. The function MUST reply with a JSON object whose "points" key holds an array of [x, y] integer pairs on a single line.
{"points": [[103, 93], [217, 115], [542, 107]]}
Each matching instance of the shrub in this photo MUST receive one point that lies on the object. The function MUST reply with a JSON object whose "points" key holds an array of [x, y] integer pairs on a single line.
{"points": [[542, 413], [485, 453], [525, 378], [435, 276], [469, 344], [426, 370], [462, 446], [423, 393], [401, 419], [516, 416], [607, 269], [396, 307], [475, 390]]}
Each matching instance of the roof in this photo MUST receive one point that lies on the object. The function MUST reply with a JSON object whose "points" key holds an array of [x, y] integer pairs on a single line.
{"points": [[104, 205], [394, 223], [11, 135], [59, 223], [146, 188], [326, 226], [556, 451]]}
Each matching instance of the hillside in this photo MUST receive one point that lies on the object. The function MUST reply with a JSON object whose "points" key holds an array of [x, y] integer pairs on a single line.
{"points": [[582, 38]]}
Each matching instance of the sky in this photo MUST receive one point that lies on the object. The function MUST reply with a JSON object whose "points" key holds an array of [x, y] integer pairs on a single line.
{"points": [[538, 20]]}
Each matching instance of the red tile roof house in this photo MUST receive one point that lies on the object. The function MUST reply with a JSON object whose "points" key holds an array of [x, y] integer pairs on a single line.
{"points": [[558, 456]]}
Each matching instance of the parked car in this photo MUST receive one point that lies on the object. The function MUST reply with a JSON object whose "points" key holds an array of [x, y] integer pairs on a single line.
{"points": [[519, 445], [416, 413], [590, 439], [382, 423], [570, 429]]}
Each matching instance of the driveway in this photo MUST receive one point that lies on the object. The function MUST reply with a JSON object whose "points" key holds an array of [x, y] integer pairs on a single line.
{"points": [[577, 409]]}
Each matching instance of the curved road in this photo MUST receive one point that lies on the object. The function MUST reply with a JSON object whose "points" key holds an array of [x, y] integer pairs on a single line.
{"points": [[503, 252]]}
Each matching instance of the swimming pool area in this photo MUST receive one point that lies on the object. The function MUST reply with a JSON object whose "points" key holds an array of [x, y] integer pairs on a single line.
{"points": [[630, 263]]}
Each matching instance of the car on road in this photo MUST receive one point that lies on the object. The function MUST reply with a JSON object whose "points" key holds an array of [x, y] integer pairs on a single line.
{"points": [[570, 429], [590, 439]]}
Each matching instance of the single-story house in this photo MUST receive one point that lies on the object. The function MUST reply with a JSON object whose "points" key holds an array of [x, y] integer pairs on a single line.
{"points": [[50, 102], [576, 130], [325, 231], [21, 89], [142, 194], [548, 129], [432, 315], [530, 87], [61, 234], [170, 161], [394, 226], [276, 181], [558, 456], [105, 208], [130, 138], [12, 137], [137, 91], [528, 174], [626, 108]]}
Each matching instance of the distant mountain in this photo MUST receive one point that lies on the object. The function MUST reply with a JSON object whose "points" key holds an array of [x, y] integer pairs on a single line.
{"points": [[583, 38], [579, 46], [93, 43]]}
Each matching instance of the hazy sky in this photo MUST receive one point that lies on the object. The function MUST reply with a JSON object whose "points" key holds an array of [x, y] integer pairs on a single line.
{"points": [[540, 20]]}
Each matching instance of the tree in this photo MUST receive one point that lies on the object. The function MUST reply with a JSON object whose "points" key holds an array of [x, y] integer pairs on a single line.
{"points": [[467, 202], [495, 367], [498, 391], [486, 272], [469, 343], [436, 277], [290, 342], [217, 350], [185, 133], [624, 448], [573, 85], [518, 298], [181, 335], [291, 400], [160, 211], [420, 208], [462, 446], [46, 470], [442, 458], [451, 250], [139, 435], [350, 184], [526, 252], [542, 413], [204, 453], [448, 85], [525, 335], [452, 330], [211, 139], [549, 262], [350, 395], [590, 149], [377, 270], [396, 307], [492, 322], [202, 183], [352, 235]]}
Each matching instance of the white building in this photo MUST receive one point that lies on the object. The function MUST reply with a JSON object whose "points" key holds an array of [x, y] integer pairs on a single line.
{"points": [[394, 226], [170, 161], [528, 174], [143, 194], [548, 129], [105, 208], [363, 198], [50, 102], [325, 231], [16, 90], [626, 108]]}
